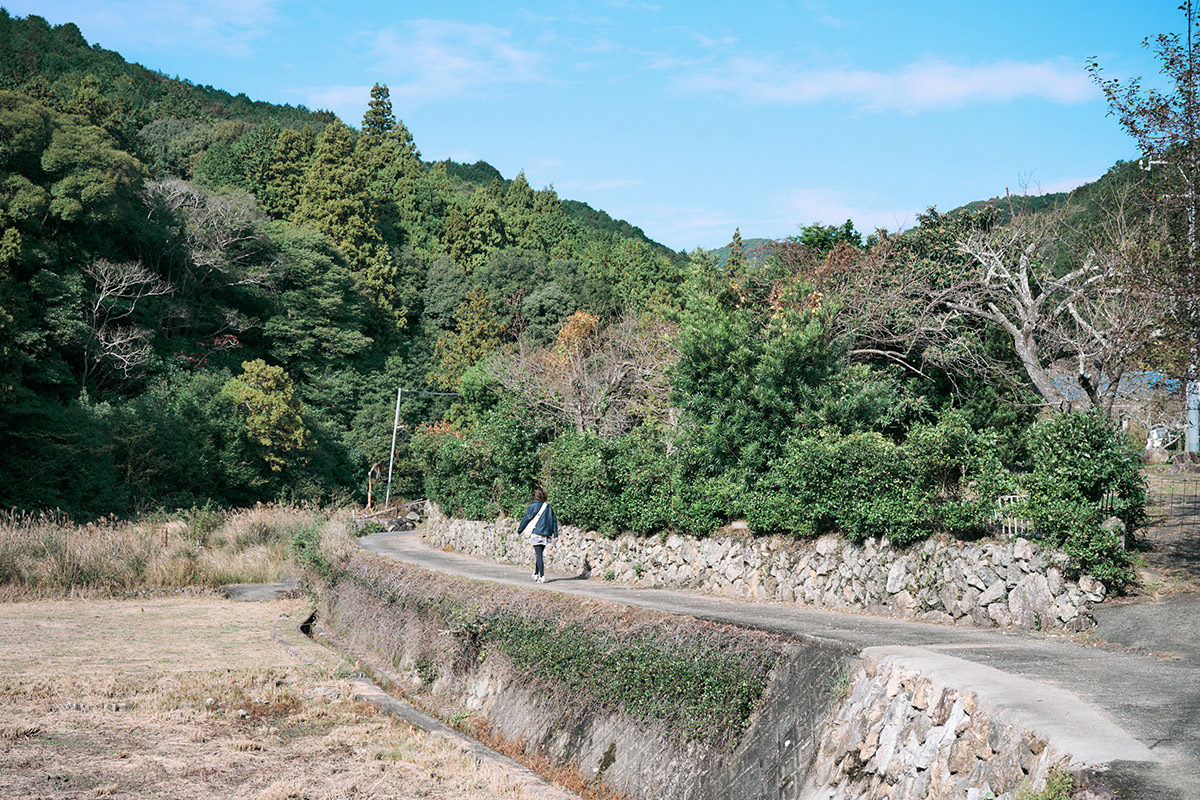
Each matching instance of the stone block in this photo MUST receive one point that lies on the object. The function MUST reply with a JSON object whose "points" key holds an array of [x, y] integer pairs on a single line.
{"points": [[922, 696], [944, 706], [995, 591], [979, 616], [1091, 587], [1022, 549], [1064, 610], [897, 576], [999, 613], [828, 545], [1030, 602], [962, 757], [1054, 580]]}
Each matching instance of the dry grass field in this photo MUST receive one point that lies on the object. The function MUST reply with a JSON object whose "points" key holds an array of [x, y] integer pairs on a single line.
{"points": [[199, 697], [48, 555]]}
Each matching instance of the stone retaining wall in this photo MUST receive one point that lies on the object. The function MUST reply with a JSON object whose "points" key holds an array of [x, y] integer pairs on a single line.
{"points": [[899, 735], [606, 746], [988, 583], [834, 724]]}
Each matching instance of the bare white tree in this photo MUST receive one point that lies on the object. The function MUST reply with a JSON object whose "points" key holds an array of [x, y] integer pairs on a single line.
{"points": [[595, 379], [115, 343], [1080, 324], [216, 228]]}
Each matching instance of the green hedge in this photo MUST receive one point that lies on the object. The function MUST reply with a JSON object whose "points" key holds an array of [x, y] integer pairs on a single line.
{"points": [[944, 477], [491, 470]]}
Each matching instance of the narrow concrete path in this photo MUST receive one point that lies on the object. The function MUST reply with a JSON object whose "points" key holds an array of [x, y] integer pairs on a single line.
{"points": [[1154, 700]]}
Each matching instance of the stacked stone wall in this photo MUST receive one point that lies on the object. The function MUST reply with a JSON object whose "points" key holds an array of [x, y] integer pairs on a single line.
{"points": [[988, 583], [901, 736]]}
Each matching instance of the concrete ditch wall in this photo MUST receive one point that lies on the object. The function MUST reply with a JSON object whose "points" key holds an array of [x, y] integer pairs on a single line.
{"points": [[834, 724], [988, 583], [638, 759]]}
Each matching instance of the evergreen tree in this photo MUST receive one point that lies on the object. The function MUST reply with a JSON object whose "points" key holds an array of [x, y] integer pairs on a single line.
{"points": [[520, 218], [737, 254], [285, 171], [380, 126], [334, 201], [477, 335]]}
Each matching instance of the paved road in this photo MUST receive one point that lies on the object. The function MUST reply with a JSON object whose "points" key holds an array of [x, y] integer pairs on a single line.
{"points": [[1149, 685]]}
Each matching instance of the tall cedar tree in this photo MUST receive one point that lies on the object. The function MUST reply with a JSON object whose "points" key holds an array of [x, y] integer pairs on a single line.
{"points": [[334, 201]]}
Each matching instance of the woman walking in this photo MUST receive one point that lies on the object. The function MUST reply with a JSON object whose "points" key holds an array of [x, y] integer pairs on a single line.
{"points": [[541, 526]]}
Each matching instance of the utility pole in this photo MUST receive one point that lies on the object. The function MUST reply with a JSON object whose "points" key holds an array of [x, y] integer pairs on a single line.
{"points": [[392, 458], [396, 426], [1193, 383], [1189, 172]]}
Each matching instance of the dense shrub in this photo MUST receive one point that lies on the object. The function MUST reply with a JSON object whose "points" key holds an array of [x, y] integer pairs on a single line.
{"points": [[610, 485], [944, 477], [481, 474], [858, 484], [958, 473], [702, 504], [1084, 470]]}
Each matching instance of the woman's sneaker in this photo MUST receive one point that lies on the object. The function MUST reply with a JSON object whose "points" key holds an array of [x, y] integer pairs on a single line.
{"points": [[535, 577]]}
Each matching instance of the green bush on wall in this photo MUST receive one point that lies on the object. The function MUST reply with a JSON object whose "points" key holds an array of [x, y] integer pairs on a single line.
{"points": [[610, 485], [945, 477], [1085, 470], [490, 471]]}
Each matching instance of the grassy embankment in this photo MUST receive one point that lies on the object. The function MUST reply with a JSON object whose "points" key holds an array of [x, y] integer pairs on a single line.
{"points": [[699, 681]]}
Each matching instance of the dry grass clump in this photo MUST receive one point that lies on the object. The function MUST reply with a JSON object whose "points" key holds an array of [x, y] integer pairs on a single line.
{"points": [[48, 555], [282, 790]]}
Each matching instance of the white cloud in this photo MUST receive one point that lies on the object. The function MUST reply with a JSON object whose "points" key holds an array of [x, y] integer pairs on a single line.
{"points": [[229, 27], [432, 59], [710, 41], [821, 13], [926, 84]]}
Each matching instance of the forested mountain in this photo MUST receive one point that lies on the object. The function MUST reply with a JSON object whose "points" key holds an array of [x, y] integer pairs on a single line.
{"points": [[209, 298]]}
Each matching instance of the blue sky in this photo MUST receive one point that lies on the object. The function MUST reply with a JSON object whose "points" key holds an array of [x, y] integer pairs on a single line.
{"points": [[689, 119]]}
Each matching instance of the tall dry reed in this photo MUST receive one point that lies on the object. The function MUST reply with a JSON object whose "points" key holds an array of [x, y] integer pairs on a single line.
{"points": [[48, 555]]}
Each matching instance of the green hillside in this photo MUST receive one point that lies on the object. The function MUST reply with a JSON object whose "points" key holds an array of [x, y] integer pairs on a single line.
{"points": [[209, 298]]}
